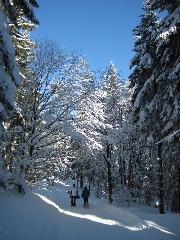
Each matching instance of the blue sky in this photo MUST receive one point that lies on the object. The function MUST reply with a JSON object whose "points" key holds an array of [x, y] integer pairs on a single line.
{"points": [[99, 29]]}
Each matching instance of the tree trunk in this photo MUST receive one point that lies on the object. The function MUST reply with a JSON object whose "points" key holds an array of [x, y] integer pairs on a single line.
{"points": [[81, 181], [178, 188], [129, 174], [109, 183], [124, 174], [161, 192], [77, 184], [98, 190], [175, 204], [120, 169]]}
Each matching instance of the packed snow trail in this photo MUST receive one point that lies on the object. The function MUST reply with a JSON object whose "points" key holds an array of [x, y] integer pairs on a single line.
{"points": [[47, 215]]}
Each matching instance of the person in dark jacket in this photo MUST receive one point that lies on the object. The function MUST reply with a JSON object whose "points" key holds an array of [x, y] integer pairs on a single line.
{"points": [[85, 196]]}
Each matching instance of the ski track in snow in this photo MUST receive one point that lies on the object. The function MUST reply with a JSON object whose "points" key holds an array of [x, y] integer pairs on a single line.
{"points": [[46, 214]]}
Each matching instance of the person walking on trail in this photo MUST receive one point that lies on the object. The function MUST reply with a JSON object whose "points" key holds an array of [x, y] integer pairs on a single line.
{"points": [[73, 195], [85, 196]]}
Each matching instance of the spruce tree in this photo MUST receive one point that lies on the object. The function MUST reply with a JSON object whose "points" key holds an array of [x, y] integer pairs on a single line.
{"points": [[11, 58], [156, 91], [143, 82], [168, 89]]}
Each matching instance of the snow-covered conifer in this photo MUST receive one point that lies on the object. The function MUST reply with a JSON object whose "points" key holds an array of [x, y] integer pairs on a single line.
{"points": [[155, 80], [10, 77]]}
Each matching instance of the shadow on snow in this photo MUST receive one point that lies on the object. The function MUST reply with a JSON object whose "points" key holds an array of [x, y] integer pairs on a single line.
{"points": [[141, 224]]}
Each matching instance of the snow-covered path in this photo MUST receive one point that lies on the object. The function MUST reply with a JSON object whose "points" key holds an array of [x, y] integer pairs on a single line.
{"points": [[47, 215]]}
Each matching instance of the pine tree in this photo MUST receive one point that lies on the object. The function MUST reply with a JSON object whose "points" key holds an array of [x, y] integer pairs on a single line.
{"points": [[143, 82], [10, 76], [9, 71], [156, 87], [112, 121], [142, 79], [10, 27], [168, 82]]}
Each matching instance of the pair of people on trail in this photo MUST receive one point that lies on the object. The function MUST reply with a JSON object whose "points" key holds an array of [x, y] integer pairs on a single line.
{"points": [[74, 195]]}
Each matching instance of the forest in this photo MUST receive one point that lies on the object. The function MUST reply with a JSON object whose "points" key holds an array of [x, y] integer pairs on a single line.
{"points": [[61, 120]]}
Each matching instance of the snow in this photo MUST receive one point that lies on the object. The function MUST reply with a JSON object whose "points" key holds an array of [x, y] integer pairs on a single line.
{"points": [[46, 214], [140, 97], [175, 72], [143, 115], [169, 138], [166, 34], [169, 27], [146, 60]]}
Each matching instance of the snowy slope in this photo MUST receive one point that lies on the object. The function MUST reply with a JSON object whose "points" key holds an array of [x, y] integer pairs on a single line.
{"points": [[46, 214]]}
